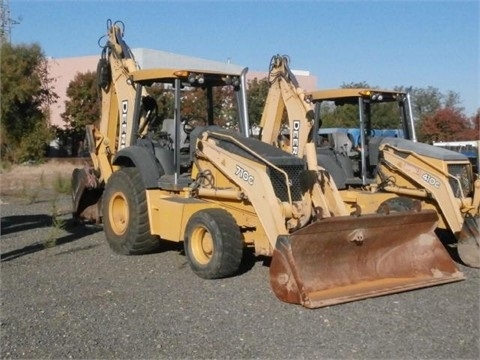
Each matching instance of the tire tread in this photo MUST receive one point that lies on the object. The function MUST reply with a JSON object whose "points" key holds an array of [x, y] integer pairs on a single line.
{"points": [[138, 239]]}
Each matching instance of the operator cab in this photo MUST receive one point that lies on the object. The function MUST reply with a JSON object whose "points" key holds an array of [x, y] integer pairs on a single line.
{"points": [[352, 153], [188, 99]]}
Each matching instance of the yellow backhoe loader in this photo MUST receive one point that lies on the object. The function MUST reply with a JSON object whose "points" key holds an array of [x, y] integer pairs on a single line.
{"points": [[226, 192], [382, 173]]}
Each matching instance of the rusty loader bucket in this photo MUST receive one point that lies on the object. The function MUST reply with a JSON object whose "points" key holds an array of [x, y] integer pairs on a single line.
{"points": [[342, 259]]}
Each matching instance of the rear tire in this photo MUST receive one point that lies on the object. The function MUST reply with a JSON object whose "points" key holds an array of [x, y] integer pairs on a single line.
{"points": [[125, 214], [398, 204], [213, 244]]}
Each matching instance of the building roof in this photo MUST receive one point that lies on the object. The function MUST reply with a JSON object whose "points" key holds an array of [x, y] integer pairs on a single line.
{"points": [[149, 59]]}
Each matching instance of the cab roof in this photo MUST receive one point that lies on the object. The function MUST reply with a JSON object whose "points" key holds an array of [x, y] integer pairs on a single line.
{"points": [[210, 78], [351, 95]]}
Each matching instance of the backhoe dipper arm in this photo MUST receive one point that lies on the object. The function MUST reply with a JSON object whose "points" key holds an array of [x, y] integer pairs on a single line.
{"points": [[119, 123], [285, 94]]}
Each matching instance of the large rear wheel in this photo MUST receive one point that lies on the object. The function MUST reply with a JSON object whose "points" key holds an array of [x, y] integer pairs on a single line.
{"points": [[125, 214], [213, 244]]}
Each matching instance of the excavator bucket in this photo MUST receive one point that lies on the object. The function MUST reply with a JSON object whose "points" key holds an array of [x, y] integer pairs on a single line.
{"points": [[86, 196], [342, 259], [468, 245]]}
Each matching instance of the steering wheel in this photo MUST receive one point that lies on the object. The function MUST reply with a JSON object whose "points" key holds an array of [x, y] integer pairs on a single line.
{"points": [[189, 123]]}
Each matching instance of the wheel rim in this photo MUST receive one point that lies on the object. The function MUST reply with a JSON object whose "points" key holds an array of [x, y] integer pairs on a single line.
{"points": [[118, 213], [202, 245]]}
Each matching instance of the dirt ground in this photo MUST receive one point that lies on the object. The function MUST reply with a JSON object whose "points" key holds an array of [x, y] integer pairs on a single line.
{"points": [[19, 179], [66, 295]]}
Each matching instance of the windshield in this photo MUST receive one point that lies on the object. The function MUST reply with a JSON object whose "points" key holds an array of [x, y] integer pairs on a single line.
{"points": [[384, 116]]}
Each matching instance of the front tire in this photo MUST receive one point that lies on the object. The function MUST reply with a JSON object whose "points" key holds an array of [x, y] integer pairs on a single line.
{"points": [[125, 214], [398, 204], [213, 244]]}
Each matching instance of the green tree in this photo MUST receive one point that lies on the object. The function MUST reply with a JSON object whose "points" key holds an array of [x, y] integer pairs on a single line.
{"points": [[26, 91], [425, 101], [164, 98], [356, 85], [383, 115], [256, 95], [82, 108], [342, 115], [194, 105], [452, 100]]}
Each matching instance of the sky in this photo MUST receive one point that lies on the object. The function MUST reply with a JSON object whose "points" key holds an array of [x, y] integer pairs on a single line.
{"points": [[383, 43]]}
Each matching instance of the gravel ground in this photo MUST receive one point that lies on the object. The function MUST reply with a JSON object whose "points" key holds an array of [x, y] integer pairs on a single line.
{"points": [[64, 294]]}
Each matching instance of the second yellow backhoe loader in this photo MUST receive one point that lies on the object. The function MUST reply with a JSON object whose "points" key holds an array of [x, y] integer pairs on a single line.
{"points": [[383, 173], [225, 192]]}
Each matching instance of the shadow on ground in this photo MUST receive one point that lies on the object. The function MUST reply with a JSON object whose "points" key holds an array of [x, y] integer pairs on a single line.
{"points": [[18, 223]]}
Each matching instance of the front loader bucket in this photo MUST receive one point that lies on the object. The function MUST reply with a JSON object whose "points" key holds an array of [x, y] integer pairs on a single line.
{"points": [[342, 259]]}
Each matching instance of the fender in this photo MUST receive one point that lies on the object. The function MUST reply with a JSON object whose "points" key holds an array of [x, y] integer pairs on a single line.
{"points": [[143, 159]]}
